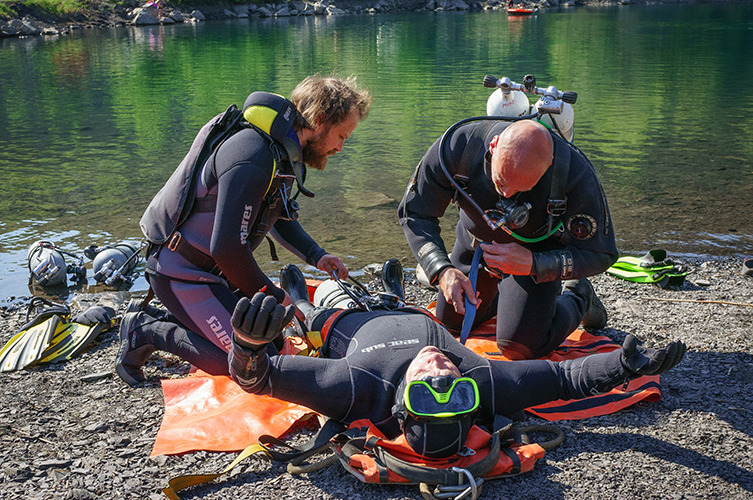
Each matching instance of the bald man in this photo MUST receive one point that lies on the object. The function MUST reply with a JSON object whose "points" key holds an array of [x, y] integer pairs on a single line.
{"points": [[533, 204]]}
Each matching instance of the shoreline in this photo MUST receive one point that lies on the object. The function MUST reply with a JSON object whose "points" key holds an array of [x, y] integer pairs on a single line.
{"points": [[29, 22]]}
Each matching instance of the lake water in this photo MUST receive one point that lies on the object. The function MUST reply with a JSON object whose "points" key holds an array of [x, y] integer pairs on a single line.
{"points": [[91, 125]]}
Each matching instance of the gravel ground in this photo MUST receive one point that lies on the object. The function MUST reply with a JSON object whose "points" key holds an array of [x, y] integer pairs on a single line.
{"points": [[74, 430]]}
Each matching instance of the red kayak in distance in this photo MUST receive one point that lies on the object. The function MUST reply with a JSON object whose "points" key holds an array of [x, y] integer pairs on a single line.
{"points": [[520, 11]]}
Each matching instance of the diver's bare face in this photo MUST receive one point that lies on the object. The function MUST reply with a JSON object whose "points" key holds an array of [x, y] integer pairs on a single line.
{"points": [[430, 362], [327, 140]]}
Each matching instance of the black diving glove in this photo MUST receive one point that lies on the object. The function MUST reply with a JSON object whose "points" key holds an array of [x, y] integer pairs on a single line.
{"points": [[96, 314], [641, 360], [260, 320]]}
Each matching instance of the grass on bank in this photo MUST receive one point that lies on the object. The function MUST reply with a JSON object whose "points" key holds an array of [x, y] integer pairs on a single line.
{"points": [[57, 7]]}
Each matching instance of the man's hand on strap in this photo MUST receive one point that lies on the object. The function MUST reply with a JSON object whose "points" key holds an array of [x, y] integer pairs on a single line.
{"points": [[259, 320], [641, 360]]}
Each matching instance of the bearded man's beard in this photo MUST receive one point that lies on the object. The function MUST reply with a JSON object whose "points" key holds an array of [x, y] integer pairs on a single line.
{"points": [[313, 158]]}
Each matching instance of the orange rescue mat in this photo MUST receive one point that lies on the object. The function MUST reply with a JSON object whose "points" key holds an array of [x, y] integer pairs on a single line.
{"points": [[579, 344], [204, 412]]}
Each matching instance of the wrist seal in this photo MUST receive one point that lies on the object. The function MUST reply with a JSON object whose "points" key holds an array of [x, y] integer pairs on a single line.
{"points": [[433, 260], [552, 266]]}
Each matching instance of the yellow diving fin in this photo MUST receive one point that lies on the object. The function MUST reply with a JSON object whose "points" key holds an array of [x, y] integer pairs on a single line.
{"points": [[26, 347]]}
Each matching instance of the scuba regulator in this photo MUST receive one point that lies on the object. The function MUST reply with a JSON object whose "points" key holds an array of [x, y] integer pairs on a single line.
{"points": [[510, 214], [114, 265], [47, 265]]}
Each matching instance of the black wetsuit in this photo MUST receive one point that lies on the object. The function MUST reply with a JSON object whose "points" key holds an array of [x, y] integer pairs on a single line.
{"points": [[366, 354], [239, 199], [530, 311]]}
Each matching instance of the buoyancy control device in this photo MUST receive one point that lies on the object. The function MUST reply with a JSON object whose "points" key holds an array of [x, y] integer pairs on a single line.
{"points": [[271, 115]]}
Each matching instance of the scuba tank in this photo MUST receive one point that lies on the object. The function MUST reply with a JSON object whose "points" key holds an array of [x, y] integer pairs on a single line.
{"points": [[563, 122], [507, 103], [47, 265], [114, 265], [554, 108], [331, 295]]}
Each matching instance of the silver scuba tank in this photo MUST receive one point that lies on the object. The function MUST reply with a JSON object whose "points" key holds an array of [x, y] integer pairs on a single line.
{"points": [[46, 264], [113, 264], [329, 295]]}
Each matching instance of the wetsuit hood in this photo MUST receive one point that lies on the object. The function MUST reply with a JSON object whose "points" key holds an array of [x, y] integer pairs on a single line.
{"points": [[430, 439]]}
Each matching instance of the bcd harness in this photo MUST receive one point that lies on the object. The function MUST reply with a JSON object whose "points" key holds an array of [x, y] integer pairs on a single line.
{"points": [[272, 117], [373, 459]]}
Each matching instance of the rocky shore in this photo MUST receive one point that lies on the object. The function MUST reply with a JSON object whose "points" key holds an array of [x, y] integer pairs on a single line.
{"points": [[73, 430], [33, 22]]}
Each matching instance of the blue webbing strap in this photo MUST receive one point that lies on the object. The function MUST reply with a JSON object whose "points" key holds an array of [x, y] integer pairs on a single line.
{"points": [[470, 309]]}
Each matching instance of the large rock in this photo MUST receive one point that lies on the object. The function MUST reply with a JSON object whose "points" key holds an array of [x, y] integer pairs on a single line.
{"points": [[284, 12], [142, 17], [12, 28], [196, 14], [241, 11], [177, 16], [29, 27], [334, 11]]}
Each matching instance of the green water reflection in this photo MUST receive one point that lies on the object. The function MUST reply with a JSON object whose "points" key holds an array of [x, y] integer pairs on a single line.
{"points": [[92, 124]]}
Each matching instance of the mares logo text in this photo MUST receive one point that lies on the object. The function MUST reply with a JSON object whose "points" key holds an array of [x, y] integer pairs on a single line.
{"points": [[244, 224], [219, 332]]}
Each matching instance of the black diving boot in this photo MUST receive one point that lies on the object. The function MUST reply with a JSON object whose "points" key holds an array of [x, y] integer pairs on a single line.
{"points": [[293, 282], [595, 316], [135, 348], [135, 305], [393, 279]]}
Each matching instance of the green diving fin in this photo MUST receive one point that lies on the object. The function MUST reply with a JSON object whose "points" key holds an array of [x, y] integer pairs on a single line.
{"points": [[26, 347], [653, 267], [71, 341], [653, 259]]}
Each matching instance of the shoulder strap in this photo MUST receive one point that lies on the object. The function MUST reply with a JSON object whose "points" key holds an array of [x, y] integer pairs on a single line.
{"points": [[557, 202], [476, 143]]}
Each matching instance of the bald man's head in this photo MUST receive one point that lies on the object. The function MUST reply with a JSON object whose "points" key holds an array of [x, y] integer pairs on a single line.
{"points": [[521, 155]]}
